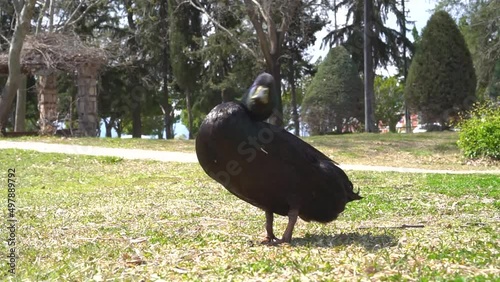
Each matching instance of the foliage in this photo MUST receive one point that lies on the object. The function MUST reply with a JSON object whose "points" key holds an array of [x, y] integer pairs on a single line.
{"points": [[478, 21], [66, 100], [185, 25], [295, 65], [385, 40], [286, 97], [480, 132], [416, 38], [494, 86], [7, 21], [114, 98], [269, 22], [389, 96], [441, 79], [335, 95], [185, 31], [229, 69]]}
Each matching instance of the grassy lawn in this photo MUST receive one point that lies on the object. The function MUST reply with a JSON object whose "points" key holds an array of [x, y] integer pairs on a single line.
{"points": [[128, 143], [85, 218], [434, 150]]}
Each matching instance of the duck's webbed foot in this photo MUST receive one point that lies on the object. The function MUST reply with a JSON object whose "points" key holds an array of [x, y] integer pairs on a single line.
{"points": [[270, 239]]}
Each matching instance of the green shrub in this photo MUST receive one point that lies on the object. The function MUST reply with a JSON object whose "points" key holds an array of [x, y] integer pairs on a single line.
{"points": [[480, 132]]}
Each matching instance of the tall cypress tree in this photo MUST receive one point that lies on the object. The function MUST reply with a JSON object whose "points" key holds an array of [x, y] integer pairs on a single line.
{"points": [[335, 94], [185, 28], [441, 80]]}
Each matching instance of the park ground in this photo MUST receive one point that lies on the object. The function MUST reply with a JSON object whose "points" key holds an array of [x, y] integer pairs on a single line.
{"points": [[103, 218]]}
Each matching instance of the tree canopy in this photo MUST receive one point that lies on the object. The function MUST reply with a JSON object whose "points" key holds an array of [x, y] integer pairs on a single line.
{"points": [[478, 22], [335, 95], [441, 79], [389, 92], [171, 60]]}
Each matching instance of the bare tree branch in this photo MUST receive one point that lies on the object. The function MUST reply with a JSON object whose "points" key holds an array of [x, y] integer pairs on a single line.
{"points": [[271, 27], [40, 17], [72, 14], [264, 14], [18, 5], [231, 35], [68, 23], [263, 41], [287, 19], [5, 38], [64, 9]]}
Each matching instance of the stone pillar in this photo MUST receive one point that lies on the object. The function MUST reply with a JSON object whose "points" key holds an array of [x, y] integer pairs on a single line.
{"points": [[86, 102], [47, 103]]}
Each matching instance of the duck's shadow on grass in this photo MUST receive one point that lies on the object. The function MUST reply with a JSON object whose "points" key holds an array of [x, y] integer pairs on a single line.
{"points": [[367, 240]]}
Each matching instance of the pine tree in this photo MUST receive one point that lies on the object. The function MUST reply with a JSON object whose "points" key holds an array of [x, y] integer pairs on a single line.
{"points": [[185, 29], [335, 95], [441, 79]]}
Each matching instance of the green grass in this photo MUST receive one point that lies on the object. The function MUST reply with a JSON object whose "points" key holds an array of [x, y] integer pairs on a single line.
{"points": [[128, 143], [433, 150], [84, 218]]}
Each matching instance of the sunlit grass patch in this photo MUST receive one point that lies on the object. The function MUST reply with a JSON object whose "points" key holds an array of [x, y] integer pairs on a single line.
{"points": [[85, 218], [436, 150]]}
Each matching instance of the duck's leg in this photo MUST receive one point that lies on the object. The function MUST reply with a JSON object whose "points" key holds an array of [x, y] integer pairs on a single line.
{"points": [[269, 229], [292, 219], [287, 236]]}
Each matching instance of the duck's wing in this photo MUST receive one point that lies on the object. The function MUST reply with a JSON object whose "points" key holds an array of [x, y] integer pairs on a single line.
{"points": [[295, 152], [289, 147]]}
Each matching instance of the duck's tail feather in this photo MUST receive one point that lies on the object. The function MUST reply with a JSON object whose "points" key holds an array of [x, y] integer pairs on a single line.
{"points": [[341, 178]]}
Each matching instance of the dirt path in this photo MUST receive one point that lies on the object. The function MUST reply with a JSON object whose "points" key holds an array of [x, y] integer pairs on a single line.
{"points": [[165, 156]]}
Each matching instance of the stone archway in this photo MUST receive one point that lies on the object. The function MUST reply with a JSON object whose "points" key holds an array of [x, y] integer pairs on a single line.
{"points": [[48, 54]]}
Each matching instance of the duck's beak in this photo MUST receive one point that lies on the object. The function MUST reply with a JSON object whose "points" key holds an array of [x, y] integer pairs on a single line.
{"points": [[261, 94]]}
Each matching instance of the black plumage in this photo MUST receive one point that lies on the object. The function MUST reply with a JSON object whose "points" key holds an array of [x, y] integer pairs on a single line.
{"points": [[267, 166]]}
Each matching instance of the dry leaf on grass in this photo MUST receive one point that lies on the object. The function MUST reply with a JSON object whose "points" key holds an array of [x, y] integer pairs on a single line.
{"points": [[132, 260], [138, 240]]}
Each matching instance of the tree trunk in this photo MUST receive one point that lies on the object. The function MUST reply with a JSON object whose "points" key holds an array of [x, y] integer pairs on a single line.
{"points": [[23, 18], [190, 115], [47, 103], [369, 72], [108, 126], [339, 127], [119, 129], [165, 103], [405, 69], [136, 120], [295, 114], [71, 126], [20, 124], [86, 102], [393, 123], [167, 108], [136, 108]]}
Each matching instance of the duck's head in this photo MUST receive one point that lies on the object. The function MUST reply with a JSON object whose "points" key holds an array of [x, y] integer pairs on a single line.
{"points": [[261, 98]]}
